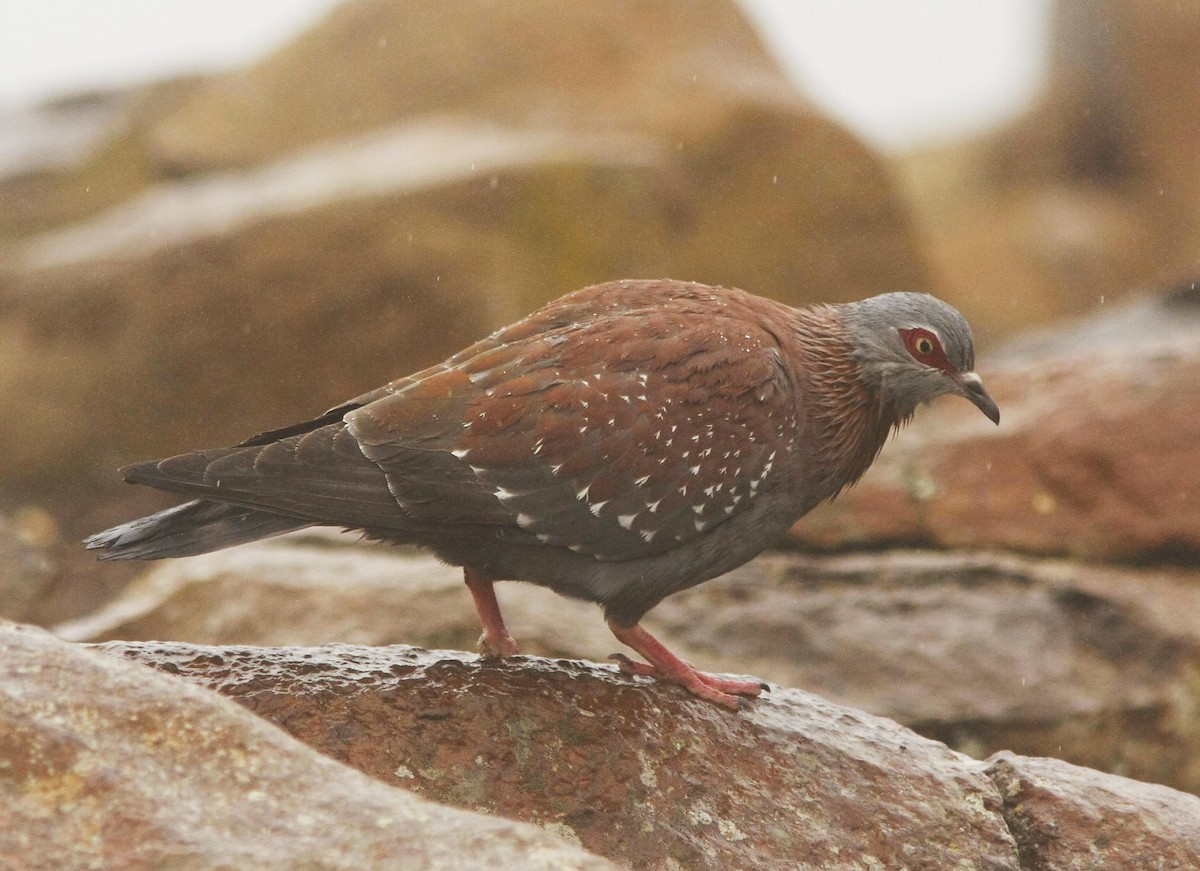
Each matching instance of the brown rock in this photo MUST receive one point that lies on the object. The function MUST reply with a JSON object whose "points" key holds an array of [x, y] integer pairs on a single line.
{"points": [[1098, 454], [1069, 818], [640, 773], [1091, 664], [1124, 64], [984, 652], [654, 779], [621, 65], [76, 156], [105, 764]]}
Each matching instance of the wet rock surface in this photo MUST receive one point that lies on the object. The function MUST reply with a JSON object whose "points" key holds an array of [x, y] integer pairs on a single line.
{"points": [[653, 778], [642, 774], [106, 764], [986, 652]]}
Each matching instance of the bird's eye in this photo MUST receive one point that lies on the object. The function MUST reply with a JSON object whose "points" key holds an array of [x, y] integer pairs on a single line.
{"points": [[926, 348]]}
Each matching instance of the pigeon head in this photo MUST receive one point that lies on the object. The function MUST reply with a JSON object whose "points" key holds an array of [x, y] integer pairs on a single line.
{"points": [[912, 348]]}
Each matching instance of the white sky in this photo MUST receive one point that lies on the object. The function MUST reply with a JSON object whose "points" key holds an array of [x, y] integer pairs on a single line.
{"points": [[897, 71]]}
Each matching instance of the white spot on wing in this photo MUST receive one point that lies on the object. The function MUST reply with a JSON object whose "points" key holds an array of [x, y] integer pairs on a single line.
{"points": [[595, 507], [626, 520]]}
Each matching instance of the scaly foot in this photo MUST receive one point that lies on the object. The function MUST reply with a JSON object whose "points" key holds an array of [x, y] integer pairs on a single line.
{"points": [[664, 665]]}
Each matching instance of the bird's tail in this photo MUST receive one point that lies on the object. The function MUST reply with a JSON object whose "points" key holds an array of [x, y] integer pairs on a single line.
{"points": [[189, 529]]}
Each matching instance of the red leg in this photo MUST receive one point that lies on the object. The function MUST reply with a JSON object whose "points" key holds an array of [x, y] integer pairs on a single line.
{"points": [[665, 665], [495, 642]]}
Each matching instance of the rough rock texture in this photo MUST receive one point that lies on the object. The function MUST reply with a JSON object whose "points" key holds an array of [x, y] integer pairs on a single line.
{"points": [[1067, 818], [641, 774], [1098, 456], [654, 779], [1091, 664], [105, 764], [438, 183]]}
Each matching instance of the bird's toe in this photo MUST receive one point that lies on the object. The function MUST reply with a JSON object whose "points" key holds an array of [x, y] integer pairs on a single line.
{"points": [[733, 695], [629, 666], [749, 688]]}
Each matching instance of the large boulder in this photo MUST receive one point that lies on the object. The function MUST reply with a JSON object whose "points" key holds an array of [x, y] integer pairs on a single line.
{"points": [[653, 778], [985, 652], [107, 764]]}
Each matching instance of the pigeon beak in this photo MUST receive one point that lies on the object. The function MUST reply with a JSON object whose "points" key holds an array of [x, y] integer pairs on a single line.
{"points": [[971, 387]]}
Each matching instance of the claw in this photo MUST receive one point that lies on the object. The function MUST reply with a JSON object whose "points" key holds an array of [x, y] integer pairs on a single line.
{"points": [[629, 666]]}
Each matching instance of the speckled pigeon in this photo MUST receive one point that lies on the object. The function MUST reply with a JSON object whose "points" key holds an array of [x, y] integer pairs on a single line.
{"points": [[623, 443]]}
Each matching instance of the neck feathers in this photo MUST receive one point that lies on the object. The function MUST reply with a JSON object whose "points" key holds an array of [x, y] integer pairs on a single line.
{"points": [[847, 421]]}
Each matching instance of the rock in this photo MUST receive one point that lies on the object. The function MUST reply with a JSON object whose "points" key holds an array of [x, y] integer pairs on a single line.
{"points": [[1089, 197], [1071, 818], [260, 274], [1120, 63], [69, 159], [106, 764], [639, 773], [624, 65], [25, 575], [984, 652], [62, 134], [652, 778], [1097, 457]]}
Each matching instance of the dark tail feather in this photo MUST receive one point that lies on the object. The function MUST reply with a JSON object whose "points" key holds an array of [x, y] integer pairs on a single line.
{"points": [[189, 529]]}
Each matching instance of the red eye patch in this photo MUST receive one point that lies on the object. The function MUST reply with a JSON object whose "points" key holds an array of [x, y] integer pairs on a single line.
{"points": [[926, 348]]}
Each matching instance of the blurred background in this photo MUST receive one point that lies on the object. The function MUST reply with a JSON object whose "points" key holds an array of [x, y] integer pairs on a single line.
{"points": [[219, 218]]}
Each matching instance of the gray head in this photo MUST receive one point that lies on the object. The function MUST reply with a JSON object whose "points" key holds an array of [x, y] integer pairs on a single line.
{"points": [[912, 348]]}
